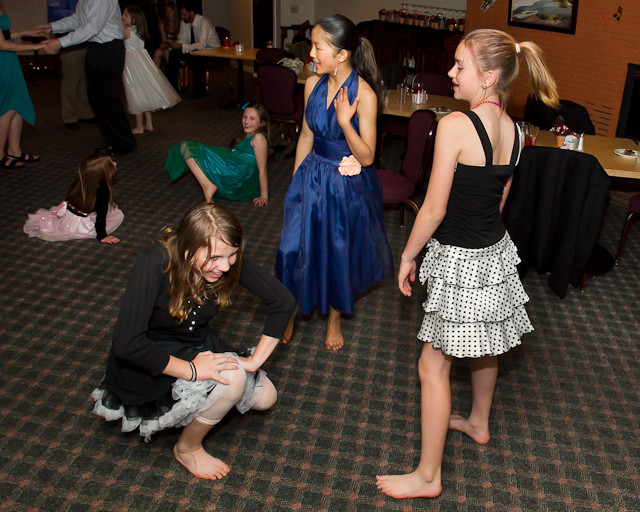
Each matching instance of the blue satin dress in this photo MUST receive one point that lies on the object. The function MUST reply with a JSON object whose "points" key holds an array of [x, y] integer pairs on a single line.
{"points": [[333, 244]]}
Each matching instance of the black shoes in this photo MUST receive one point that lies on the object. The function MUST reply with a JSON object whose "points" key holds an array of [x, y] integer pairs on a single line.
{"points": [[111, 151]]}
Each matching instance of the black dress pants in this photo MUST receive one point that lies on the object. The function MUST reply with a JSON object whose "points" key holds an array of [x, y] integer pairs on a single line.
{"points": [[103, 66], [177, 59]]}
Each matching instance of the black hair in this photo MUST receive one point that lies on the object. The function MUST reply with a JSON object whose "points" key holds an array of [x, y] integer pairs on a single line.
{"points": [[343, 34]]}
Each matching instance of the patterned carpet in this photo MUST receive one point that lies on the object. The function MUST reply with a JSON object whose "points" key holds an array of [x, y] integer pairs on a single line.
{"points": [[566, 419]]}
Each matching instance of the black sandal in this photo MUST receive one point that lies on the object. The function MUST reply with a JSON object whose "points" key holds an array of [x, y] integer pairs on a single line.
{"points": [[9, 162], [25, 157]]}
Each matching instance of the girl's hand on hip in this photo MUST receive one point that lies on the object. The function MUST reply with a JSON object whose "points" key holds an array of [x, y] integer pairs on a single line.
{"points": [[344, 110], [406, 276], [208, 364]]}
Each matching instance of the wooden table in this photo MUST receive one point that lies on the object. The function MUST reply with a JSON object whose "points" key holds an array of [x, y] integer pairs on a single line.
{"points": [[221, 52], [602, 148], [441, 105]]}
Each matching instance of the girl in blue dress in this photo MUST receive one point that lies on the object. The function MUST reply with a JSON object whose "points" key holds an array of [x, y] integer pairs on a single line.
{"points": [[15, 103], [333, 244]]}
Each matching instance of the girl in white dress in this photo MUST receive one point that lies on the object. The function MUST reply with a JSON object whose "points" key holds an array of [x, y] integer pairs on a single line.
{"points": [[146, 88]]}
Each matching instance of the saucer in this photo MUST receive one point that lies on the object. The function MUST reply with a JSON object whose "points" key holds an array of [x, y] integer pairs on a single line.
{"points": [[629, 153], [442, 110]]}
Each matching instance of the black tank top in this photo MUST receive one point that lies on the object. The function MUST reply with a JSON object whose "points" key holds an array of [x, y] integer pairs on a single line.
{"points": [[473, 218]]}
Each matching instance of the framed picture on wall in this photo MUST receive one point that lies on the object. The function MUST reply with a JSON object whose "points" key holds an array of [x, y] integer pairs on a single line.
{"points": [[555, 15]]}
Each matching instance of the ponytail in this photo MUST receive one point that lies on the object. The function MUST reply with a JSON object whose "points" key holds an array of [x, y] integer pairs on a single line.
{"points": [[497, 50], [544, 86], [363, 60]]}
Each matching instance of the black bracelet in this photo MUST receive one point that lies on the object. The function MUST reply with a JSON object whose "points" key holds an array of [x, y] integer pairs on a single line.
{"points": [[194, 374]]}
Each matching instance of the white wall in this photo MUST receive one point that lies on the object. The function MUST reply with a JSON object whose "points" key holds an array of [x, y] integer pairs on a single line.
{"points": [[241, 21], [218, 12], [25, 14], [305, 11]]}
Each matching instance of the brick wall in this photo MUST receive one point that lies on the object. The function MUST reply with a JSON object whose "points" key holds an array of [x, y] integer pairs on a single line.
{"points": [[589, 66]]}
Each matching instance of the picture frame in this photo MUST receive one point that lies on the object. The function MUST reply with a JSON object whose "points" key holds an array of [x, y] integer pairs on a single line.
{"points": [[553, 15]]}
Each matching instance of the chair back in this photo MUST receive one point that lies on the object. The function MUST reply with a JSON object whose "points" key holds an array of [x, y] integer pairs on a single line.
{"points": [[278, 88], [433, 83], [222, 33], [576, 117], [421, 135], [269, 56]]}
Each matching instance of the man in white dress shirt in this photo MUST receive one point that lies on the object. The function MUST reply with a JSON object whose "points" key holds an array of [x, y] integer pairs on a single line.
{"points": [[99, 24], [196, 33]]}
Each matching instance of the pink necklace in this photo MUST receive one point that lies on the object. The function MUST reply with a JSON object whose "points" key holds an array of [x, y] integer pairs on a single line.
{"points": [[486, 101]]}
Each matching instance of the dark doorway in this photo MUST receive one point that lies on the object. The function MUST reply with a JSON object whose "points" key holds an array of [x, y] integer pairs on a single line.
{"points": [[262, 23], [629, 121]]}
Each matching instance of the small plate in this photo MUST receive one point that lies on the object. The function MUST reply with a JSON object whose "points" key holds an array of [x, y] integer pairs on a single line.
{"points": [[629, 153], [442, 110]]}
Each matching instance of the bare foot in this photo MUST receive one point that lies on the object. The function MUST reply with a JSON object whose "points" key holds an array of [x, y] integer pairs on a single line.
{"points": [[209, 190], [201, 465], [288, 332], [479, 435], [137, 131], [410, 485], [149, 128], [334, 340]]}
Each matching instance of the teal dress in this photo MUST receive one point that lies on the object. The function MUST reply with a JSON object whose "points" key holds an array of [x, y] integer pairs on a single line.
{"points": [[233, 171], [13, 89]]}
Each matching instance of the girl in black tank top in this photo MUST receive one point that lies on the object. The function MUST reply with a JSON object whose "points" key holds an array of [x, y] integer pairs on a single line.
{"points": [[475, 301]]}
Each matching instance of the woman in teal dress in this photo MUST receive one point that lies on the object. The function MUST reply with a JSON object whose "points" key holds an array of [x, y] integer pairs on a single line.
{"points": [[15, 103], [238, 174]]}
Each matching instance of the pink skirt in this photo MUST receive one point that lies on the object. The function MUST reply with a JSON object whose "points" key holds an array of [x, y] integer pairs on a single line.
{"points": [[57, 224]]}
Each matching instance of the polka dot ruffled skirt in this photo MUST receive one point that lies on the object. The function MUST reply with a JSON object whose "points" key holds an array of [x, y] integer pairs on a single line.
{"points": [[475, 302]]}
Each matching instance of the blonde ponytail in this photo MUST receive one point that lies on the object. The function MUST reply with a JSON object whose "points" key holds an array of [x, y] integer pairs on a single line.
{"points": [[544, 85]]}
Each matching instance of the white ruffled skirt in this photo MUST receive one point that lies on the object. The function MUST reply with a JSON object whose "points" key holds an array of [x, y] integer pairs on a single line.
{"points": [[186, 402], [475, 302]]}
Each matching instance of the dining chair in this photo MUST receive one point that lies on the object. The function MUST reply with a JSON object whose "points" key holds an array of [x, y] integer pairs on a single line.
{"points": [[269, 56], [554, 212], [433, 83], [634, 211], [575, 116], [398, 188], [281, 97]]}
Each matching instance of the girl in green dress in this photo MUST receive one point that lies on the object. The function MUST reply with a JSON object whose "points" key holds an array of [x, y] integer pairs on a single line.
{"points": [[15, 103], [238, 174]]}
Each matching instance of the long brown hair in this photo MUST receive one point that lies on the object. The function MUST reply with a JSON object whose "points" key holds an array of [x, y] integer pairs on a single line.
{"points": [[171, 25], [343, 34], [92, 171], [263, 115], [138, 20], [498, 51], [187, 285]]}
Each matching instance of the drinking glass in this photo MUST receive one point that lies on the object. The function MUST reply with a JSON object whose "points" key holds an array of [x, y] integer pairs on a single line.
{"points": [[533, 134], [402, 93]]}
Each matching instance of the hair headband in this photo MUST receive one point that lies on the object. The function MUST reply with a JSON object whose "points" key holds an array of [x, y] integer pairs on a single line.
{"points": [[517, 48], [245, 105]]}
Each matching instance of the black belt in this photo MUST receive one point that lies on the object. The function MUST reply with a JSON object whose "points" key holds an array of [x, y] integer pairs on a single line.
{"points": [[6, 34]]}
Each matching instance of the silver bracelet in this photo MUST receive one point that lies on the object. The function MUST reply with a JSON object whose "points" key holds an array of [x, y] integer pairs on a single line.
{"points": [[194, 375]]}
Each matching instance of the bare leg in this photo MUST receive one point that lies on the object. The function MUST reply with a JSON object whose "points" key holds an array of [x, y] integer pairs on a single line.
{"points": [[208, 188], [6, 127], [148, 125], [435, 409], [334, 339], [189, 451], [139, 128], [484, 373], [15, 133], [288, 332]]}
